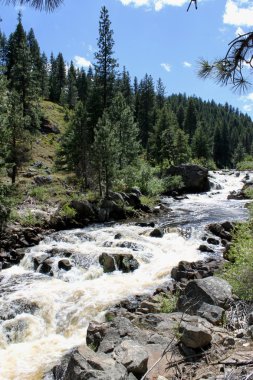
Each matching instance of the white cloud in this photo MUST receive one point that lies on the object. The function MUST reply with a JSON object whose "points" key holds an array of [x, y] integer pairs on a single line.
{"points": [[166, 66], [247, 107], [187, 64], [239, 31], [238, 13], [157, 5], [81, 61], [248, 102]]}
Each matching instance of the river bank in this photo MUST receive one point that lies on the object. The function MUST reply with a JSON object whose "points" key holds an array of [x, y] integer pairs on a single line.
{"points": [[46, 315]]}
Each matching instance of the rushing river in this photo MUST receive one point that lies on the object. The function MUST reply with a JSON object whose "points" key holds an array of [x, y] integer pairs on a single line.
{"points": [[41, 316]]}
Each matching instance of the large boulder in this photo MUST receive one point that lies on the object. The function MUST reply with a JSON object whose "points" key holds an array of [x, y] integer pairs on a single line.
{"points": [[110, 210], [195, 177], [83, 363], [124, 262], [210, 290], [195, 332], [84, 210], [133, 356]]}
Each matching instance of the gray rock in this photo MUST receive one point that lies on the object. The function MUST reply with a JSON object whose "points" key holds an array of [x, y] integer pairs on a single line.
{"points": [[64, 264], [195, 177], [133, 356], [212, 313], [42, 180], [195, 334], [124, 262], [250, 318], [83, 363], [210, 290], [157, 232]]}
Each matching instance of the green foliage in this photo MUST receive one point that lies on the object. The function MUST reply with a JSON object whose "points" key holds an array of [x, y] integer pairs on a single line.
{"points": [[168, 303], [206, 163], [27, 219], [239, 272], [39, 193], [246, 164], [67, 211], [174, 182]]}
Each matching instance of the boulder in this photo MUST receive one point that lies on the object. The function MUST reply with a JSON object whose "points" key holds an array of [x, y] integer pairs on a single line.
{"points": [[157, 232], [110, 210], [195, 333], [210, 290], [124, 262], [196, 270], [222, 230], [64, 264], [195, 177], [46, 126], [84, 210], [42, 180], [133, 356], [213, 314], [83, 363]]}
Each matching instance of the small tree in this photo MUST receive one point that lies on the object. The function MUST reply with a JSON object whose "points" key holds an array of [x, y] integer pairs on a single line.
{"points": [[106, 152]]}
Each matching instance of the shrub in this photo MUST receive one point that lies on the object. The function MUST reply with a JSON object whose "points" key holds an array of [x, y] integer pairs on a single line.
{"points": [[67, 211], [168, 303], [174, 182], [239, 272], [39, 192]]}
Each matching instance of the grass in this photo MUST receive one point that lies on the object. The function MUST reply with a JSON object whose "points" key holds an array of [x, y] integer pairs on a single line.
{"points": [[168, 303]]}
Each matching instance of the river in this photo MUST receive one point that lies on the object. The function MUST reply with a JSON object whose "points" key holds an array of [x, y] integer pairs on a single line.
{"points": [[41, 316]]}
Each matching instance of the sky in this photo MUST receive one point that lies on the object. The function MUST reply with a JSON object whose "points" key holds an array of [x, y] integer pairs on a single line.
{"points": [[157, 37]]}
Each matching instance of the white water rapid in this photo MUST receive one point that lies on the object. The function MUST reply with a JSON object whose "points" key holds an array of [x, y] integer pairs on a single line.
{"points": [[42, 316]]}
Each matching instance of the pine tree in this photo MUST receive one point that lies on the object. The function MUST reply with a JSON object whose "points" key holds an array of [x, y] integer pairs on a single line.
{"points": [[44, 84], [105, 150], [201, 147], [72, 92], [126, 130], [22, 76], [105, 65], [160, 94], [75, 148], [57, 81], [82, 84], [146, 108], [190, 122], [161, 139]]}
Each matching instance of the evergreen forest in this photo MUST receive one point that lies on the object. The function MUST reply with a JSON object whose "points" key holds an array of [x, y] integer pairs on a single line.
{"points": [[119, 131]]}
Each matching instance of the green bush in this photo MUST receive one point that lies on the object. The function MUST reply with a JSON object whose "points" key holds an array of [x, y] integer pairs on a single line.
{"points": [[174, 182], [67, 211], [245, 165], [239, 271], [39, 193], [168, 303]]}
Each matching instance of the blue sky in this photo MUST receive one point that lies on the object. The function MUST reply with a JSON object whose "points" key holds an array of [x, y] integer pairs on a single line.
{"points": [[157, 37]]}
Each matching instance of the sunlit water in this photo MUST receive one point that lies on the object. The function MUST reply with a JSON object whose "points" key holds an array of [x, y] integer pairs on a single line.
{"points": [[41, 317]]}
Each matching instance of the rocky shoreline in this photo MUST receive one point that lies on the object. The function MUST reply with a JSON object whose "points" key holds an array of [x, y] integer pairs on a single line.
{"points": [[192, 327], [206, 335]]}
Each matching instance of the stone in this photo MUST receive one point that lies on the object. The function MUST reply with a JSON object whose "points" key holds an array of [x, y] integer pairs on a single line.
{"points": [[42, 180], [64, 264], [205, 248], [212, 313], [123, 262], [83, 363], [195, 178], [195, 334], [84, 210], [157, 232], [133, 356], [250, 318], [46, 126], [210, 290]]}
